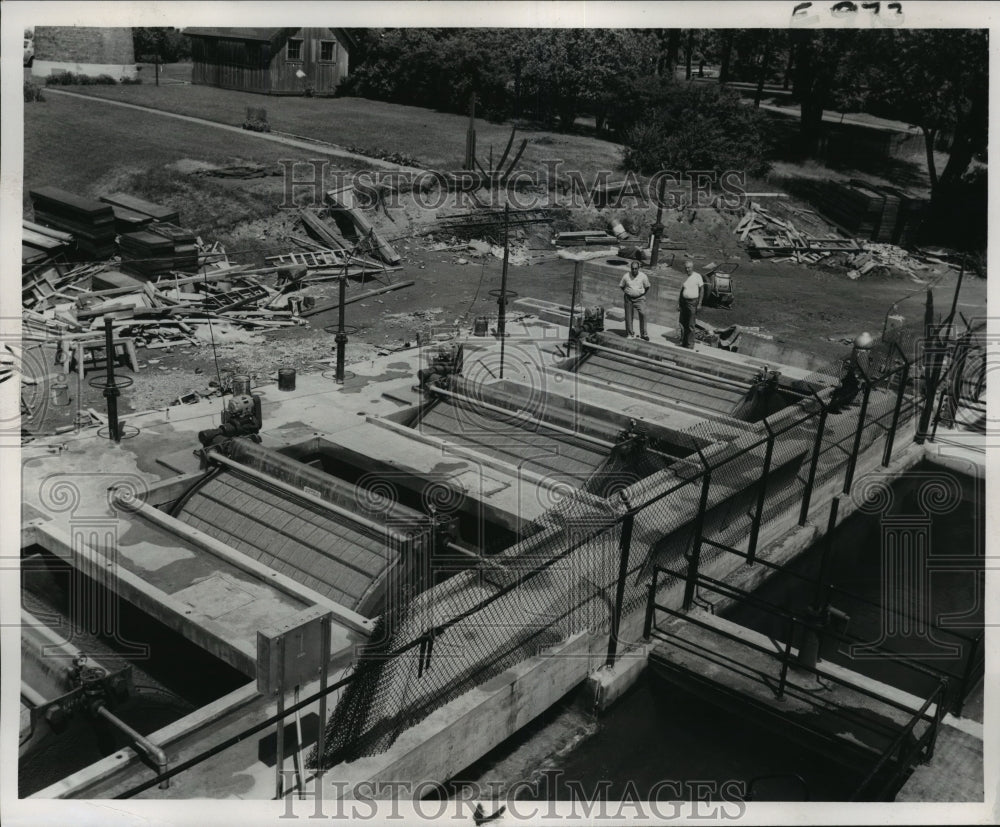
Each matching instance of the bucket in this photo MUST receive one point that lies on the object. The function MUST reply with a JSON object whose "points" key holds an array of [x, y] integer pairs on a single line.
{"points": [[59, 392], [241, 384], [619, 230], [286, 379], [481, 326]]}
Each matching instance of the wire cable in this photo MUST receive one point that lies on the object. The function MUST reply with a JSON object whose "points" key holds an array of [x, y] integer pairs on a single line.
{"points": [[215, 352]]}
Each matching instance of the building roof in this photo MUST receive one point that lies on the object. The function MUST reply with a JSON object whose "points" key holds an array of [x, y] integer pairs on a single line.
{"points": [[234, 34], [262, 34]]}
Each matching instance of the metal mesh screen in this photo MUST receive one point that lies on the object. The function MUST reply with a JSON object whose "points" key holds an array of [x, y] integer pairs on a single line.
{"points": [[562, 578]]}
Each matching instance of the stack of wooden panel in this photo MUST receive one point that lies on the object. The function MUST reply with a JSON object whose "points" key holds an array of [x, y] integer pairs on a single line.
{"points": [[132, 214], [146, 254], [91, 223], [185, 245], [40, 244], [160, 248], [889, 222]]}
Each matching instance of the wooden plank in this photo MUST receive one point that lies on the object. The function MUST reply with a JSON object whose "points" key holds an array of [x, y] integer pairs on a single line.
{"points": [[367, 295], [344, 200]]}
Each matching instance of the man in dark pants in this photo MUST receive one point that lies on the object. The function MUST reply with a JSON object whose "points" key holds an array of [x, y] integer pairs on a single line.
{"points": [[635, 285], [689, 300]]}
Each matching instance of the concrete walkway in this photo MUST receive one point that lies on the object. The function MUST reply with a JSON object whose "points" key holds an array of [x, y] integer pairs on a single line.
{"points": [[292, 141]]}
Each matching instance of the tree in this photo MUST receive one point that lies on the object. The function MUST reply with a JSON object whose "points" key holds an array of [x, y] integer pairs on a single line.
{"points": [[936, 79], [699, 127], [165, 44], [817, 67]]}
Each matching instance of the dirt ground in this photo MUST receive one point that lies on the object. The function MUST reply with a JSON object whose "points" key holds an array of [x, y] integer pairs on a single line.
{"points": [[816, 308]]}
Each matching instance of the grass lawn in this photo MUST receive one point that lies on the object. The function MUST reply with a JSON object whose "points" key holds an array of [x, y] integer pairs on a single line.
{"points": [[435, 139], [82, 147]]}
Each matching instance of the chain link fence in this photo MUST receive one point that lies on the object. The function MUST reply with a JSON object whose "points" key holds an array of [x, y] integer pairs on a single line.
{"points": [[588, 560]]}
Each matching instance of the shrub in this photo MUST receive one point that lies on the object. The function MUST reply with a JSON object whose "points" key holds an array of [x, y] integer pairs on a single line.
{"points": [[69, 79], [130, 81], [32, 92]]}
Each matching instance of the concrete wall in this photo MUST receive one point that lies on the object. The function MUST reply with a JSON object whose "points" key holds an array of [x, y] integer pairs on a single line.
{"points": [[599, 285], [84, 50]]}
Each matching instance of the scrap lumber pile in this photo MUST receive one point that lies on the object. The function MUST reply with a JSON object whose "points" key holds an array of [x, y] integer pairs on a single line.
{"points": [[67, 308], [327, 256], [367, 239], [872, 212], [91, 223], [490, 223], [766, 235]]}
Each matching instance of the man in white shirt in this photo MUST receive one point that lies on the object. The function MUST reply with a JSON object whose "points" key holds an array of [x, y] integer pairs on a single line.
{"points": [[689, 300], [635, 285]]}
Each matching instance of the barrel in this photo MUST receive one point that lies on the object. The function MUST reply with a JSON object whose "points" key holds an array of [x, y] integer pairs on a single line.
{"points": [[59, 392], [481, 326], [286, 379], [241, 384]]}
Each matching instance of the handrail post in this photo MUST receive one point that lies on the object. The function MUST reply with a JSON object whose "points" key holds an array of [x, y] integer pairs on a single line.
{"points": [[647, 625], [624, 548], [891, 437], [785, 658], [938, 715], [814, 462], [699, 527], [761, 495], [852, 460], [821, 599], [963, 687]]}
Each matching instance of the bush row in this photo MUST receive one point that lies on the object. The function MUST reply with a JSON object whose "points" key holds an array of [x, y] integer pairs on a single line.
{"points": [[73, 79]]}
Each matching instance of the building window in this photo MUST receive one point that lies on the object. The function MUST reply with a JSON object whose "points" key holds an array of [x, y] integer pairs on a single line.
{"points": [[295, 49], [328, 51]]}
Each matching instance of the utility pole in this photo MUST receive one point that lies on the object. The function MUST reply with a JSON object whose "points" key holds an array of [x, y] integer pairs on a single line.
{"points": [[654, 254], [470, 136], [341, 337]]}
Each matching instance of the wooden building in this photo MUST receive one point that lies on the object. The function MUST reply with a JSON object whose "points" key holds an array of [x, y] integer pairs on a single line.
{"points": [[270, 61]]}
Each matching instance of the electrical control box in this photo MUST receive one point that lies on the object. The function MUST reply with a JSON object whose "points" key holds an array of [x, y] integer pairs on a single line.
{"points": [[293, 654]]}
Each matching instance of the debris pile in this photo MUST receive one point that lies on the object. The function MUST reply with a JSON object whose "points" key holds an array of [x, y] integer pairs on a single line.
{"points": [[766, 235]]}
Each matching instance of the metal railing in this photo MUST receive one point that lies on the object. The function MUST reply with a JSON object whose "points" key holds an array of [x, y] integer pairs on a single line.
{"points": [[900, 754], [749, 468]]}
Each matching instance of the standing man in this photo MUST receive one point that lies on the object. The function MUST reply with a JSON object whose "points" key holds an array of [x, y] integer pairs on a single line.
{"points": [[635, 285], [689, 301]]}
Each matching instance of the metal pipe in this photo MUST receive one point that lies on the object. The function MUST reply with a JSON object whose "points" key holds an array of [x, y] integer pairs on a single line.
{"points": [[817, 446], [341, 338], [891, 436], [647, 625], [140, 743], [577, 272], [699, 526], [602, 443], [624, 549], [502, 301], [761, 495], [111, 390], [821, 597], [735, 384], [852, 460]]}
